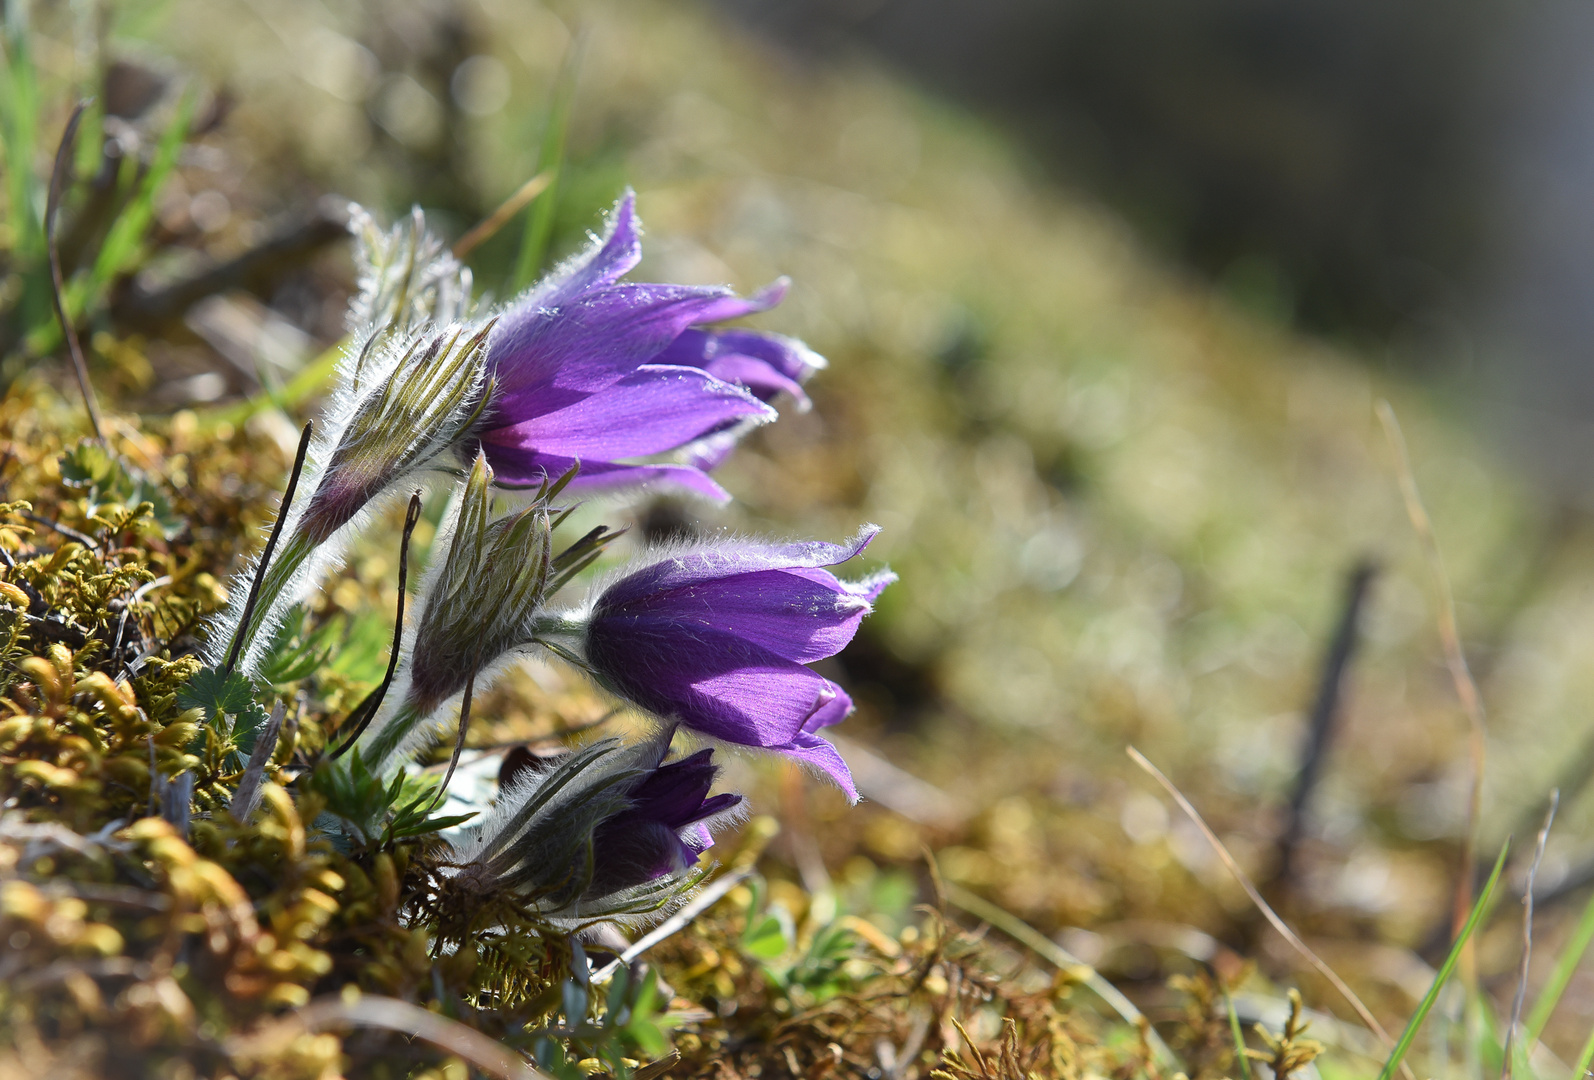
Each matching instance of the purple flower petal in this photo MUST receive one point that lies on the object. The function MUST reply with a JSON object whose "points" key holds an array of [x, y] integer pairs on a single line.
{"points": [[793, 617], [766, 364], [629, 850], [674, 793], [712, 682], [578, 371], [710, 452], [820, 755], [545, 358], [831, 710], [732, 306], [606, 261], [518, 466], [723, 559], [652, 410]]}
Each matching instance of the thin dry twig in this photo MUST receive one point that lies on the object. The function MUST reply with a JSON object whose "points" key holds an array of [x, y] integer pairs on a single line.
{"points": [[370, 1010], [1262, 905], [52, 209], [1323, 719], [1460, 674], [506, 210], [1527, 938], [712, 893], [366, 710], [271, 546]]}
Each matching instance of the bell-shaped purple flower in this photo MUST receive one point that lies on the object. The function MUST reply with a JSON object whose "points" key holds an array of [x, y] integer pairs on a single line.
{"points": [[592, 369], [664, 830], [606, 831], [716, 638]]}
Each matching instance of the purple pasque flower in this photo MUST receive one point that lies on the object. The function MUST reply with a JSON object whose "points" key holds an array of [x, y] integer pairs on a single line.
{"points": [[665, 828], [592, 369], [767, 365], [608, 830], [716, 638]]}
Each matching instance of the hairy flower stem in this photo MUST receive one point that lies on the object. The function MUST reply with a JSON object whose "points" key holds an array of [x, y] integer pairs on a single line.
{"points": [[377, 748], [268, 577]]}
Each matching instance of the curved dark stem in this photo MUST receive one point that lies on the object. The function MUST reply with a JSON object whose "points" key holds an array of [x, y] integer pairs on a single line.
{"points": [[459, 743], [271, 546], [366, 710], [71, 534], [1323, 720], [63, 156]]}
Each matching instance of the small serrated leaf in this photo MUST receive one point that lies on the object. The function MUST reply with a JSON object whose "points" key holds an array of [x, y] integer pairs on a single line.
{"points": [[230, 696], [86, 465]]}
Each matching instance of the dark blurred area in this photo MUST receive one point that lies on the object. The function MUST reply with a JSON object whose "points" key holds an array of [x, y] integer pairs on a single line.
{"points": [[1415, 176]]}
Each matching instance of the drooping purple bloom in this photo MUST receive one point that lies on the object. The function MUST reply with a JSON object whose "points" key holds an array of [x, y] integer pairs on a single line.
{"points": [[717, 637], [664, 830], [592, 369], [604, 831]]}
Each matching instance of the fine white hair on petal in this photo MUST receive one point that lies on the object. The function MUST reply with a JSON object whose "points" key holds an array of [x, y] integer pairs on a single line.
{"points": [[723, 545], [571, 264]]}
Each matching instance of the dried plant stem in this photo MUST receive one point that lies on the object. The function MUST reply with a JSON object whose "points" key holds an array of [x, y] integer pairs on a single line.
{"points": [[1460, 674], [459, 741], [712, 893], [1323, 719], [63, 158], [366, 709], [500, 217], [247, 795], [243, 632], [453, 1037], [1527, 939], [1262, 905]]}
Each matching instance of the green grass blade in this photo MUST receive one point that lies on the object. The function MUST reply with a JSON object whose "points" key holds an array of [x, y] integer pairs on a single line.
{"points": [[1239, 1038], [1585, 1058], [125, 240], [1406, 1037], [19, 130], [550, 159], [126, 236], [1565, 968]]}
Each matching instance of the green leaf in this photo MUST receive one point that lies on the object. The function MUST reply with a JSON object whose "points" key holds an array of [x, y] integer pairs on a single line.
{"points": [[428, 825], [89, 465], [648, 1037], [91, 468], [362, 656], [229, 703], [574, 1002], [1239, 1039], [766, 939]]}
